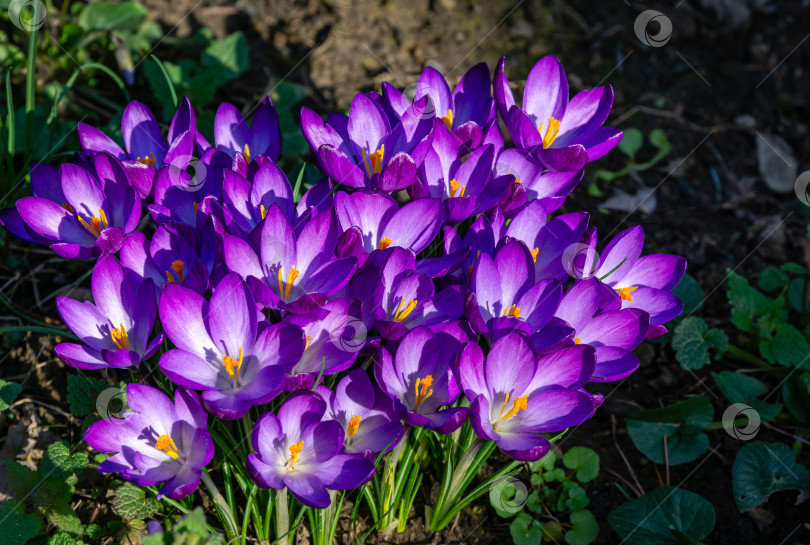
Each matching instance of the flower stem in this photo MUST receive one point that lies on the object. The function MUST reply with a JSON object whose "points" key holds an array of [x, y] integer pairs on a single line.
{"points": [[282, 516], [225, 513]]}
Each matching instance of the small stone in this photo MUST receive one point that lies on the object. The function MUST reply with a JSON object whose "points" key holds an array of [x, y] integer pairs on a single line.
{"points": [[777, 163]]}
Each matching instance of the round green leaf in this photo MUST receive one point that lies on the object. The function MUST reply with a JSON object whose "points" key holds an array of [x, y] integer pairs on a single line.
{"points": [[585, 528], [584, 461], [664, 516], [631, 142], [112, 16], [525, 530], [681, 423], [761, 469]]}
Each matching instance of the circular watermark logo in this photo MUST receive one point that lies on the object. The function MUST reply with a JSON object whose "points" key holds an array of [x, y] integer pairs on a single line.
{"points": [[508, 495], [112, 403], [734, 429], [642, 28], [27, 15], [187, 173], [350, 335], [800, 186], [579, 260]]}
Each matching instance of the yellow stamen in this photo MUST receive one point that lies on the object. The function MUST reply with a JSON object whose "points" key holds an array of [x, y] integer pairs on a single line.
{"points": [[309, 338], [94, 227], [454, 185], [354, 423], [624, 293], [512, 311], [517, 180], [577, 341], [448, 120], [425, 392], [534, 254], [147, 160], [196, 206], [518, 404], [177, 267], [233, 365], [246, 153], [403, 313], [551, 133], [284, 288], [373, 162], [384, 243], [263, 210], [166, 444], [69, 208], [295, 450], [120, 337]]}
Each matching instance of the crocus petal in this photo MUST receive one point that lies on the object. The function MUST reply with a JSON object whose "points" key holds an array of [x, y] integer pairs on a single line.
{"points": [[142, 136]]}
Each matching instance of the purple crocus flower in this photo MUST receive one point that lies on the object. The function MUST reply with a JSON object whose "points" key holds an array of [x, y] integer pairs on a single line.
{"points": [[505, 296], [466, 188], [552, 243], [115, 330], [176, 253], [245, 204], [293, 273], [562, 135], [480, 238], [85, 213], [185, 195], [468, 110], [377, 222], [334, 337], [364, 150], [233, 135], [301, 451], [514, 397], [220, 349], [611, 331], [364, 412], [157, 441], [547, 187], [146, 149], [642, 282], [420, 381], [404, 299]]}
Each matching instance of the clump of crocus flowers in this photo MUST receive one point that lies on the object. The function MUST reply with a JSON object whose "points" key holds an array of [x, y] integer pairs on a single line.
{"points": [[430, 282]]}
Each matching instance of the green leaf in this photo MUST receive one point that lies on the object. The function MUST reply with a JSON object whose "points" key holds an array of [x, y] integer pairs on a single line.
{"points": [[525, 530], [8, 393], [681, 423], [795, 268], [585, 528], [54, 498], [82, 392], [664, 516], [740, 388], [577, 498], [585, 461], [631, 142], [507, 498], [228, 58], [130, 502], [761, 469], [795, 292], [773, 279], [788, 347], [658, 138], [692, 341], [58, 462], [112, 16], [746, 303], [64, 538], [23, 480], [796, 394], [689, 291], [16, 525]]}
